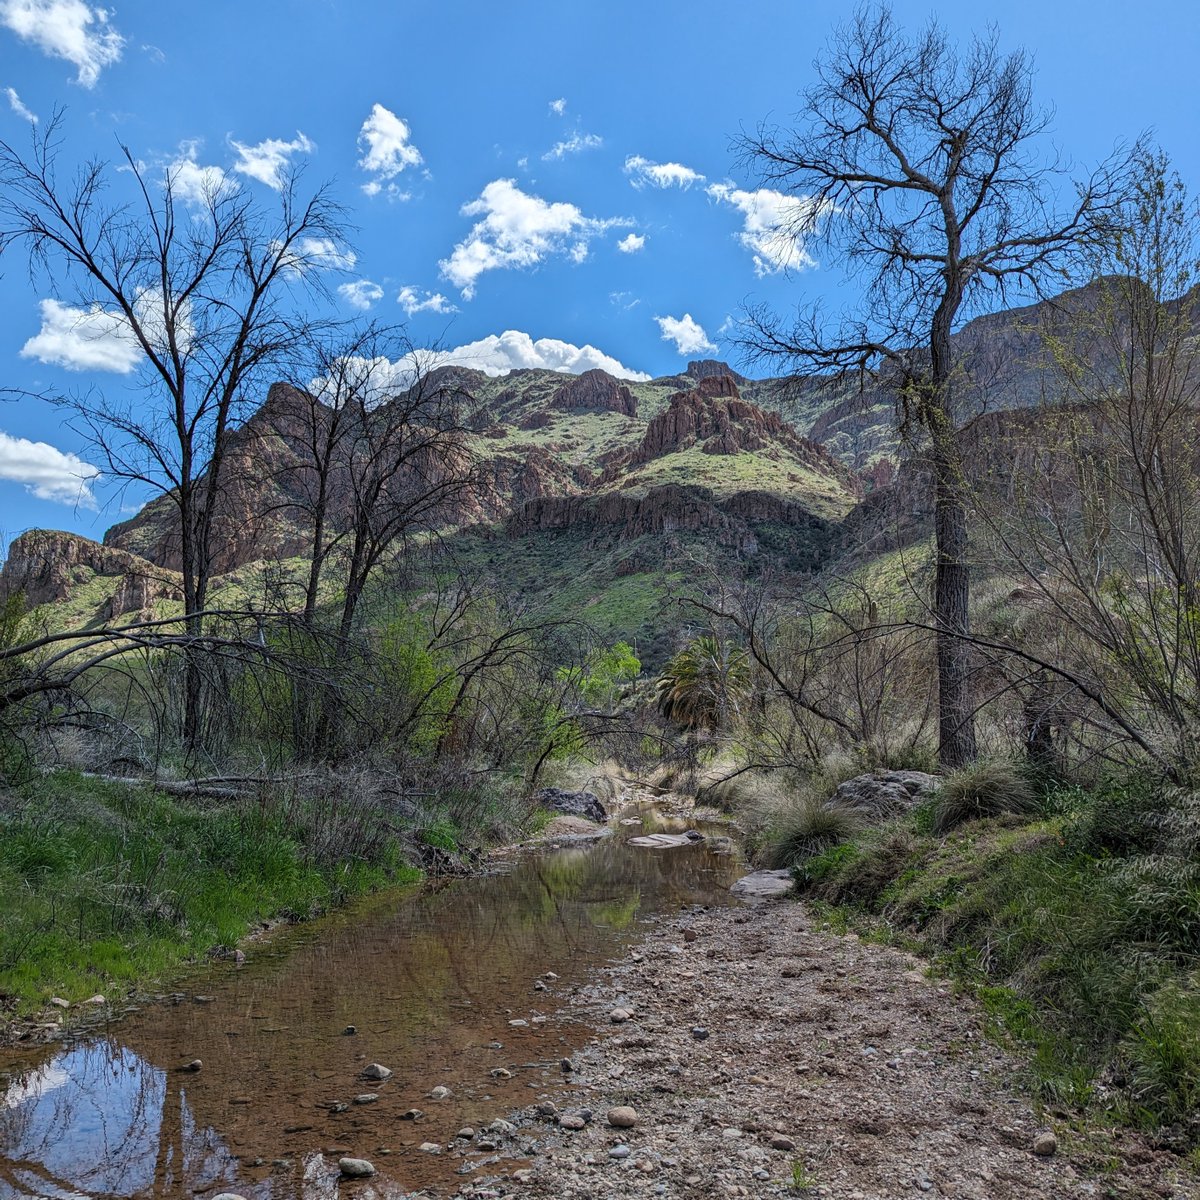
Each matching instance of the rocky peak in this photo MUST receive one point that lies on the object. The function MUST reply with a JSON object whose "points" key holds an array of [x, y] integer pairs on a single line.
{"points": [[709, 368], [713, 415], [597, 391]]}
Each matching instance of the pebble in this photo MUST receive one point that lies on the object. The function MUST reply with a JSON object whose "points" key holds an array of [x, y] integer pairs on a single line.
{"points": [[58, 1002], [571, 1121], [780, 1141], [355, 1168], [430, 1148], [228, 1196], [518, 1023], [622, 1117], [567, 1066], [619, 1016], [500, 1073], [700, 1033], [194, 1065], [1045, 1144], [440, 1093], [366, 1098], [619, 1152], [411, 1114], [466, 1133], [376, 1071], [350, 1031], [95, 1000]]}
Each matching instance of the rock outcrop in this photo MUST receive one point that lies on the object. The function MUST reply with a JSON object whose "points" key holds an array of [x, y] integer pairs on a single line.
{"points": [[596, 391], [46, 566]]}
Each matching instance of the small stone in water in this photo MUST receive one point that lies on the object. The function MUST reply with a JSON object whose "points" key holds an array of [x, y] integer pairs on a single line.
{"points": [[355, 1168], [622, 1117]]}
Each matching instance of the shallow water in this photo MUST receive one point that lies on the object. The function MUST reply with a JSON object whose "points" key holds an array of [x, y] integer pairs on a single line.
{"points": [[430, 979]]}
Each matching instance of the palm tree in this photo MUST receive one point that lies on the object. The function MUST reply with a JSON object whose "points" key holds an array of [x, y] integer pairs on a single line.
{"points": [[704, 684]]}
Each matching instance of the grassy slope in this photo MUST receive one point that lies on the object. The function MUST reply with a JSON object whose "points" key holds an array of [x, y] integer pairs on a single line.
{"points": [[105, 887]]}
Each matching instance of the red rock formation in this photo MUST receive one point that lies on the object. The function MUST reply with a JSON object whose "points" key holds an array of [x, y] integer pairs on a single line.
{"points": [[596, 391]]}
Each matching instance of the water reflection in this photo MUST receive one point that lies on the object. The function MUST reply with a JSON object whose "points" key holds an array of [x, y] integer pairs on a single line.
{"points": [[431, 982]]}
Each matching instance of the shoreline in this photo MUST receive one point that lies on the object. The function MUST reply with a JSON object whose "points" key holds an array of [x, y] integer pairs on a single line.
{"points": [[765, 1056]]}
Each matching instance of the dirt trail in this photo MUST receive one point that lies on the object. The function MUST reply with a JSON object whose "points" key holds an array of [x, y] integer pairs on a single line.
{"points": [[750, 1026]]}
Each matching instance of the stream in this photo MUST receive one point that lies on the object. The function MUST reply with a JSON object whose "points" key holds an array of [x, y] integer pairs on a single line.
{"points": [[430, 979]]}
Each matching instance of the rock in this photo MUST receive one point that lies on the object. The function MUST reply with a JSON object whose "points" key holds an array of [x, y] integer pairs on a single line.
{"points": [[466, 1133], [689, 935], [567, 1066], [619, 1152], [355, 1168], [882, 794], [699, 1033], [500, 1073], [1045, 1144], [573, 804], [502, 1128], [58, 1002], [518, 1023], [622, 1117], [440, 1093], [366, 1098], [571, 1121], [350, 1031], [228, 1196], [665, 841], [194, 1065], [597, 391], [96, 1001], [780, 1141], [376, 1071], [764, 885], [619, 1016], [430, 1148], [411, 1114]]}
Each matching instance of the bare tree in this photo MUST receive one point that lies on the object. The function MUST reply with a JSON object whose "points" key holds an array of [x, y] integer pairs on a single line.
{"points": [[917, 163], [201, 285], [1096, 509]]}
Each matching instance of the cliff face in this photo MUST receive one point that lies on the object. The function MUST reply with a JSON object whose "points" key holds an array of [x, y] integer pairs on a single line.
{"points": [[48, 565], [596, 391]]}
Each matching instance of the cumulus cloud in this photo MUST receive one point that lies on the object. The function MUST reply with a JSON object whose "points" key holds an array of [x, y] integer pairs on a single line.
{"points": [[268, 160], [386, 150], [559, 106], [194, 184], [631, 243], [47, 472], [14, 102], [688, 335], [572, 145], [66, 29], [361, 294], [774, 226], [642, 171], [517, 230], [497, 354], [91, 339], [411, 301]]}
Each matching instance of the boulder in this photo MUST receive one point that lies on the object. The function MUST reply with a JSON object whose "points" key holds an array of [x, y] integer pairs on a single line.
{"points": [[666, 840], [573, 804], [764, 885], [882, 794]]}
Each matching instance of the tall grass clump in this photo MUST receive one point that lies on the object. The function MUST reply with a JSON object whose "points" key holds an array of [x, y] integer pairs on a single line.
{"points": [[805, 826], [1163, 1056], [987, 788]]}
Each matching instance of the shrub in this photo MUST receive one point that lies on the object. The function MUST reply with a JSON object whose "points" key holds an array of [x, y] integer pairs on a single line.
{"points": [[987, 788], [805, 827]]}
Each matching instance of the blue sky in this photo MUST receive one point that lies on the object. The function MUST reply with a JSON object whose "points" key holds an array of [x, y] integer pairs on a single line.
{"points": [[559, 173]]}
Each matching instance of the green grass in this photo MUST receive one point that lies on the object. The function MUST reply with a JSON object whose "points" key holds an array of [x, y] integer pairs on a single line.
{"points": [[107, 888]]}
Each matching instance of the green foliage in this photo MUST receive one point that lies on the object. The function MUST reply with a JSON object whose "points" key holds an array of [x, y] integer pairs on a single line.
{"points": [[1163, 1054], [601, 679], [986, 788], [106, 887], [705, 684]]}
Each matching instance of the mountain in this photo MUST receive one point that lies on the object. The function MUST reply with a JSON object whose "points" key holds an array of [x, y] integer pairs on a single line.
{"points": [[620, 481]]}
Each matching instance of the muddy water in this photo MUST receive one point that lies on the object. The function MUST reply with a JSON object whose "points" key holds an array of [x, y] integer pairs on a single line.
{"points": [[431, 981]]}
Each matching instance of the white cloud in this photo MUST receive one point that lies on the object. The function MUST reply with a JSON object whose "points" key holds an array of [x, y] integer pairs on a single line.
{"points": [[18, 107], [67, 29], [573, 145], [631, 243], [559, 106], [361, 294], [194, 184], [660, 175], [46, 472], [387, 151], [517, 230], [774, 226], [83, 339], [689, 336], [325, 254], [268, 161], [410, 300]]}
